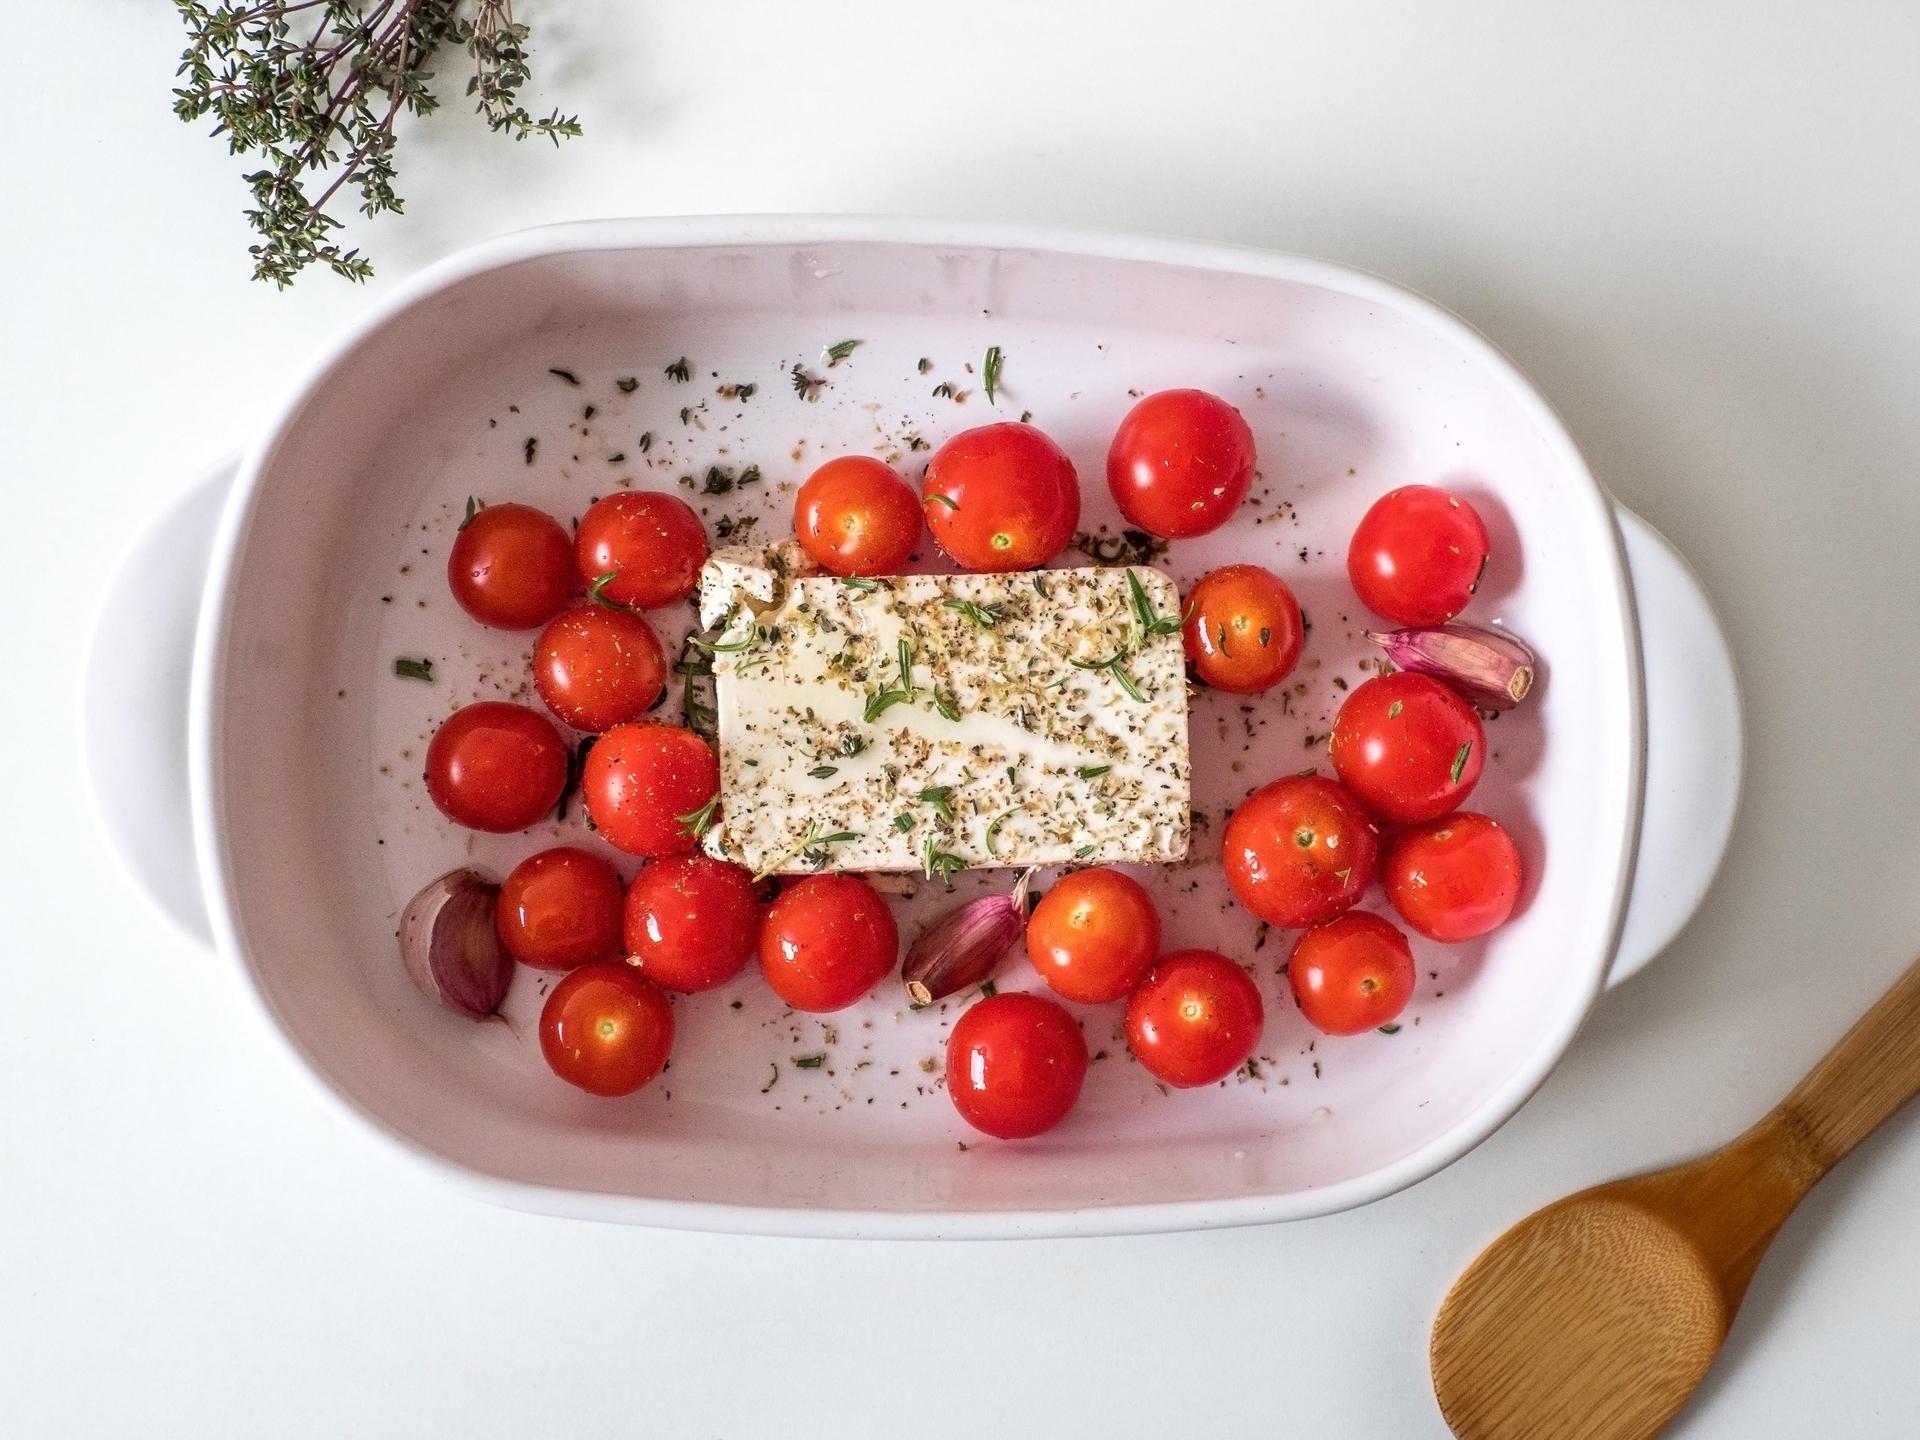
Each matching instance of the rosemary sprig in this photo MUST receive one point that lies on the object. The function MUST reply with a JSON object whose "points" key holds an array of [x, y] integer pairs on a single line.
{"points": [[811, 847], [985, 616], [1114, 665], [878, 705], [314, 89], [990, 371], [597, 591], [1151, 622], [697, 822], [935, 861]]}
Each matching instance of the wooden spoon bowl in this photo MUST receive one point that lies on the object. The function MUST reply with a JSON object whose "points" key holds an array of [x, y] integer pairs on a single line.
{"points": [[1595, 1318]]}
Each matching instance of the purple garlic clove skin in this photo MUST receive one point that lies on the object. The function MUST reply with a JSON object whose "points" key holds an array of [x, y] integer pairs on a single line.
{"points": [[1490, 668], [452, 947], [965, 945]]}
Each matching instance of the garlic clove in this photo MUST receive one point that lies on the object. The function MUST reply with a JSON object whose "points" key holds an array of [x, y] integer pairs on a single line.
{"points": [[451, 944], [965, 945], [1488, 667]]}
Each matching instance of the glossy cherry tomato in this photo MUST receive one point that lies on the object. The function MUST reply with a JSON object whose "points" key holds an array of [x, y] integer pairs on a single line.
{"points": [[1418, 555], [1453, 878], [1015, 1064], [1299, 850], [827, 941], [692, 922], [1243, 630], [1408, 746], [653, 546], [855, 516], [650, 789], [1001, 497], [1093, 935], [560, 909], [1195, 1019], [1181, 463], [494, 766], [511, 567], [606, 1028], [597, 667], [1352, 974]]}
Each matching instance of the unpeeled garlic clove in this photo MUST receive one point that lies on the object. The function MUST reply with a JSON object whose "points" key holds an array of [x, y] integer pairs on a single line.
{"points": [[1490, 668], [451, 945], [965, 945]]}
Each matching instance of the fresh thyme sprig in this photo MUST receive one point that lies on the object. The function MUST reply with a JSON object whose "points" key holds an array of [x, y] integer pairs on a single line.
{"points": [[314, 88]]}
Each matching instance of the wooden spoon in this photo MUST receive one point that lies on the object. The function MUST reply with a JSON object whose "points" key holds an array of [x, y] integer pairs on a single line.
{"points": [[1595, 1318]]}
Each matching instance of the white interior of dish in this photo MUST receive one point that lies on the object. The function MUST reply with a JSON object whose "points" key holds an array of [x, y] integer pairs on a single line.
{"points": [[323, 829]]}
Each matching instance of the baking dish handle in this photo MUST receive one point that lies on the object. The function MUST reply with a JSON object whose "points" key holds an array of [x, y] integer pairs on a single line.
{"points": [[1694, 746], [133, 703]]}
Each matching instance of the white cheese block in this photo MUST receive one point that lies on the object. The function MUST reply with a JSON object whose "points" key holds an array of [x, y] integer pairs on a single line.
{"points": [[738, 577], [1040, 718]]}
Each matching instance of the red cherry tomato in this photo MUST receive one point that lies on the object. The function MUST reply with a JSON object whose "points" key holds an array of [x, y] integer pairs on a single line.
{"points": [[494, 766], [650, 788], [606, 1028], [1408, 746], [1015, 1064], [560, 909], [1243, 630], [692, 922], [1418, 555], [1093, 935], [597, 667], [1001, 497], [1352, 974], [511, 567], [1195, 1019], [1181, 463], [827, 941], [653, 546], [1299, 850], [855, 516], [1453, 878]]}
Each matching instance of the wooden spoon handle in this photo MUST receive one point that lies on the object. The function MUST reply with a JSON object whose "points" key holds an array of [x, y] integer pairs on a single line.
{"points": [[1872, 1072]]}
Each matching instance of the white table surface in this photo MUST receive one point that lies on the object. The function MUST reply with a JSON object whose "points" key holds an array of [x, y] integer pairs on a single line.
{"points": [[1695, 225]]}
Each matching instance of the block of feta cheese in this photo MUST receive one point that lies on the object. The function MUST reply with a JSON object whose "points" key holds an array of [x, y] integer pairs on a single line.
{"points": [[943, 722]]}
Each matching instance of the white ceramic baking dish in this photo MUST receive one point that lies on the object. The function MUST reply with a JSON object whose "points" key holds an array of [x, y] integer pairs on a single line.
{"points": [[323, 559]]}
